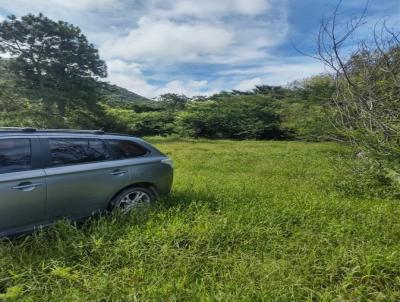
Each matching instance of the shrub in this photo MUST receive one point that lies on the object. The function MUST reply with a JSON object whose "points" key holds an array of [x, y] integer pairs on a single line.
{"points": [[234, 117]]}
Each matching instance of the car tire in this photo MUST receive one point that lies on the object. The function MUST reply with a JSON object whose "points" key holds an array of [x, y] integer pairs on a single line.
{"points": [[133, 198]]}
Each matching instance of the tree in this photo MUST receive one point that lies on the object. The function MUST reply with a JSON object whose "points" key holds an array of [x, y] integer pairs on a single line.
{"points": [[277, 92], [306, 109], [53, 61], [316, 90], [173, 101], [367, 94]]}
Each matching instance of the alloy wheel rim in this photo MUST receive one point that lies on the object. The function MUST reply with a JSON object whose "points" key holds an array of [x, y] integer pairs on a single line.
{"points": [[132, 200]]}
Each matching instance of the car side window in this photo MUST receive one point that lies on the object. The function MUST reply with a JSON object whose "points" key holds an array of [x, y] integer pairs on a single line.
{"points": [[98, 150], [73, 151], [15, 155], [124, 149]]}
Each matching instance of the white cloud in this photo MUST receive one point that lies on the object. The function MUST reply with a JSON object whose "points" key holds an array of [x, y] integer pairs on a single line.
{"points": [[205, 32], [80, 4], [251, 7], [168, 40], [298, 68], [249, 84], [210, 8], [129, 76], [25, 6], [275, 73], [189, 88]]}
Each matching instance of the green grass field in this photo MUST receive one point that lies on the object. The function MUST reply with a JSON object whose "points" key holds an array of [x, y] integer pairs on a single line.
{"points": [[247, 221]]}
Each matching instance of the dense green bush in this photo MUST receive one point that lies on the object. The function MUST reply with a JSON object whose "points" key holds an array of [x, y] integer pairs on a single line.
{"points": [[145, 123], [307, 109], [235, 117]]}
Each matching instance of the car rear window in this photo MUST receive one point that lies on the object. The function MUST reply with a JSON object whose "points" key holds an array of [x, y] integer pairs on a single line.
{"points": [[15, 155], [124, 149], [73, 151]]}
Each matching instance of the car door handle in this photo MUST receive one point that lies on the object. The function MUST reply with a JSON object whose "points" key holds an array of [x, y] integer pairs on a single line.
{"points": [[118, 172], [26, 187]]}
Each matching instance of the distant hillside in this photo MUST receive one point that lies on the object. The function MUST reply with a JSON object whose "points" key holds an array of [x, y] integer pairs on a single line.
{"points": [[116, 93], [116, 96]]}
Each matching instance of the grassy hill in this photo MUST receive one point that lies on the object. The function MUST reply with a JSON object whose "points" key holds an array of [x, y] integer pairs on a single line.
{"points": [[248, 221], [117, 95]]}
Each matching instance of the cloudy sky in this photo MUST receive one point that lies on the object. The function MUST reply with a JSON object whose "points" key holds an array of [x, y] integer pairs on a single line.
{"points": [[200, 46]]}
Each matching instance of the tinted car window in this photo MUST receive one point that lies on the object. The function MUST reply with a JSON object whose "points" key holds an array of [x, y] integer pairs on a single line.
{"points": [[15, 155], [70, 151], [98, 150], [122, 149]]}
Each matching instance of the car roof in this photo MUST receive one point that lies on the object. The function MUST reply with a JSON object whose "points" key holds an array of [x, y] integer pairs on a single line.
{"points": [[11, 131]]}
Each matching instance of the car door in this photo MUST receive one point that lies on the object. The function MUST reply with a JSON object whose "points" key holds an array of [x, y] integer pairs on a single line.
{"points": [[22, 184], [81, 177]]}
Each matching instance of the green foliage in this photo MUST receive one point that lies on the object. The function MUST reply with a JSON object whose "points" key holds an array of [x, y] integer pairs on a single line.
{"points": [[308, 122], [232, 116], [369, 107], [23, 113], [172, 101], [362, 176], [307, 109], [268, 112], [116, 96], [367, 96], [276, 92], [247, 221], [52, 61], [317, 90], [12, 293], [368, 112], [145, 123]]}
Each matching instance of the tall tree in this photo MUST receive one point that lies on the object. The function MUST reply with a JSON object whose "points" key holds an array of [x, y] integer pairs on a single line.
{"points": [[53, 61], [173, 101]]}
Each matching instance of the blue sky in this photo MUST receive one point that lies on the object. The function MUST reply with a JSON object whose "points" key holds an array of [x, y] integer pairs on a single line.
{"points": [[201, 46]]}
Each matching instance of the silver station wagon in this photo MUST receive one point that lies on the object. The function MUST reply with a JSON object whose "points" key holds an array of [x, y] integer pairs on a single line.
{"points": [[47, 175]]}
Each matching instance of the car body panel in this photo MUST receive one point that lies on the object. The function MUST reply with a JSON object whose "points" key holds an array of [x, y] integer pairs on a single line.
{"points": [[151, 171], [18, 207], [79, 190]]}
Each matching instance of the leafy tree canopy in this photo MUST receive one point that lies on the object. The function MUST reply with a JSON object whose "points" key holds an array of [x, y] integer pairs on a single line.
{"points": [[173, 101], [52, 60]]}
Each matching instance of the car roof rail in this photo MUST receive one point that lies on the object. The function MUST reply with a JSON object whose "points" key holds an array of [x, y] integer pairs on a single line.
{"points": [[77, 131], [17, 129], [27, 129]]}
